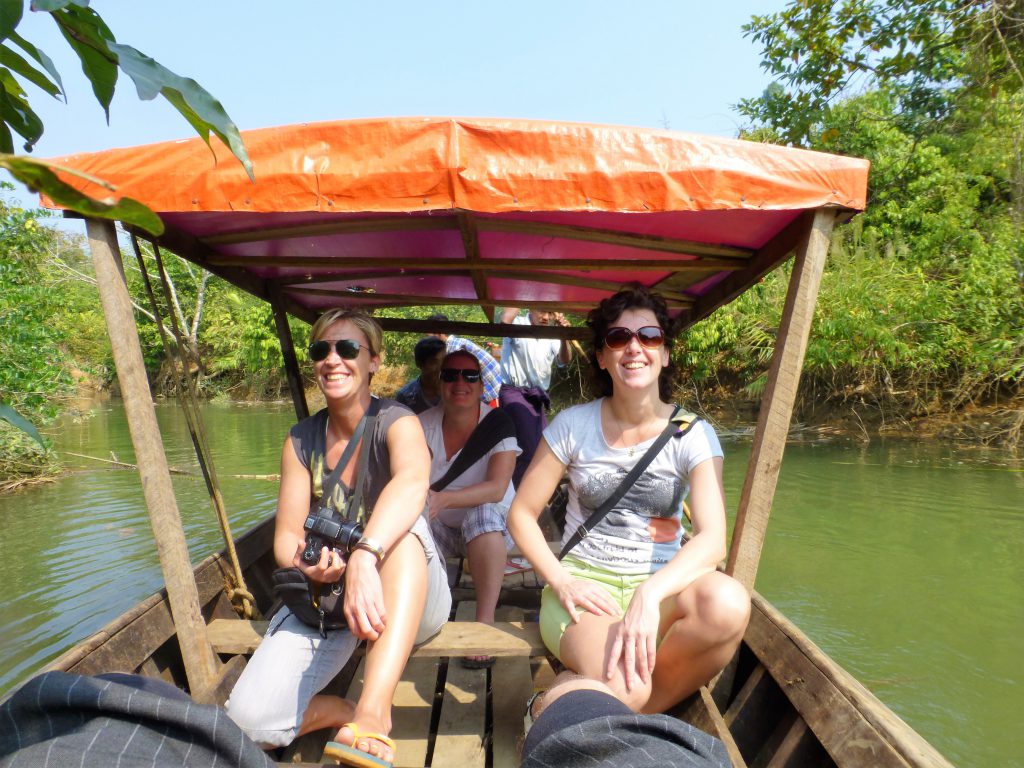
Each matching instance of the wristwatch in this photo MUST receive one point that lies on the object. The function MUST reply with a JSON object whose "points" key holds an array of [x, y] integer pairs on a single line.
{"points": [[370, 545]]}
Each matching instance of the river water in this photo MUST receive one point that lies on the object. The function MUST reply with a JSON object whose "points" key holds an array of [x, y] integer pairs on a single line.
{"points": [[903, 561]]}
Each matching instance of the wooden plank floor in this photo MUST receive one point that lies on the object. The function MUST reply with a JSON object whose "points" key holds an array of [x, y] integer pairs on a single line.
{"points": [[445, 714]]}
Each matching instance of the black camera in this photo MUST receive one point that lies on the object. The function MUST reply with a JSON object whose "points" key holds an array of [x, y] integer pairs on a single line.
{"points": [[323, 531]]}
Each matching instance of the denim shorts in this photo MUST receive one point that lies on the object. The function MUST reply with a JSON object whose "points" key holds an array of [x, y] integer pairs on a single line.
{"points": [[293, 663], [554, 619], [487, 518]]}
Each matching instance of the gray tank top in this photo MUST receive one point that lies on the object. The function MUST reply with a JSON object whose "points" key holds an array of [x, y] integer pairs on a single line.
{"points": [[309, 438]]}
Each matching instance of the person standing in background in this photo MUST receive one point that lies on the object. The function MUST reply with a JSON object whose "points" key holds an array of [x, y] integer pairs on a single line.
{"points": [[525, 378]]}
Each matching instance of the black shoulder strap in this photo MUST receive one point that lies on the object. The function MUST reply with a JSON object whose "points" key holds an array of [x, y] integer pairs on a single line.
{"points": [[678, 421], [492, 429], [364, 462]]}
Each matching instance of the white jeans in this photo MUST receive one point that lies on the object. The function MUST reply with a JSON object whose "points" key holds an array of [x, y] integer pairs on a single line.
{"points": [[293, 663]]}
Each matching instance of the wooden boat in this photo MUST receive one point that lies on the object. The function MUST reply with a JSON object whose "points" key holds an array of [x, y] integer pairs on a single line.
{"points": [[390, 213]]}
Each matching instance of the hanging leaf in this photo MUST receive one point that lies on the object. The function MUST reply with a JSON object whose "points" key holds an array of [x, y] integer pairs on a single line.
{"points": [[194, 102], [18, 65], [39, 176], [44, 61], [9, 414], [88, 36], [10, 17], [16, 112]]}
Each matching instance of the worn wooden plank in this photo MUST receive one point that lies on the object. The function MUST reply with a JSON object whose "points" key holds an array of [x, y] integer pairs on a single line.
{"points": [[795, 746], [457, 638], [777, 401], [704, 714], [200, 663], [460, 730], [227, 676], [511, 687], [411, 712], [846, 716], [754, 713], [843, 730]]}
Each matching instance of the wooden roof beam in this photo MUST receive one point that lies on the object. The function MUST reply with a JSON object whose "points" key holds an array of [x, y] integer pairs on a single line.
{"points": [[399, 300], [334, 227], [612, 237], [446, 222], [547, 277], [700, 264], [471, 245]]}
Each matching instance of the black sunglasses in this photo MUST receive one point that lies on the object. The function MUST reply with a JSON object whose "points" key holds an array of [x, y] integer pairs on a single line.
{"points": [[650, 336], [347, 349], [450, 375]]}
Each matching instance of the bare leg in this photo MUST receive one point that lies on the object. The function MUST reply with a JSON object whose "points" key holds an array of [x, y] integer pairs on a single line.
{"points": [[701, 628], [404, 579], [487, 567], [326, 712]]}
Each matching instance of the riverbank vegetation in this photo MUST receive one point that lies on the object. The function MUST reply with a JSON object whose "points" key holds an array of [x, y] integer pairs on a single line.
{"points": [[920, 320]]}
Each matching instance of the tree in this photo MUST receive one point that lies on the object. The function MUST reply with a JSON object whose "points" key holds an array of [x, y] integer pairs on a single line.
{"points": [[928, 54], [102, 58]]}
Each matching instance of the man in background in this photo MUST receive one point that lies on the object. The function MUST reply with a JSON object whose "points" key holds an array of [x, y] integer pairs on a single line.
{"points": [[525, 378], [425, 391]]}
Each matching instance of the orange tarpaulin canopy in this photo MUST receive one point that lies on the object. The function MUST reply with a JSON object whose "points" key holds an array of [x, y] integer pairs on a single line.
{"points": [[400, 211]]}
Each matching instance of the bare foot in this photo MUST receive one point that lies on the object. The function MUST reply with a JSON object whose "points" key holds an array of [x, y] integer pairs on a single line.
{"points": [[370, 737], [326, 711]]}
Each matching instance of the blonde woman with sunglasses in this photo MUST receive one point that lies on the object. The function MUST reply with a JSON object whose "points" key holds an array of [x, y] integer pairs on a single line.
{"points": [[395, 587], [635, 603]]}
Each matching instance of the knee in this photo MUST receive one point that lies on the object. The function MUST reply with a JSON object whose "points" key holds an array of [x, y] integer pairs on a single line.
{"points": [[250, 714], [725, 608]]}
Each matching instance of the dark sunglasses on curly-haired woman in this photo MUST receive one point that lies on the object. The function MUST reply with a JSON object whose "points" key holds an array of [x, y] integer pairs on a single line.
{"points": [[347, 349], [649, 336]]}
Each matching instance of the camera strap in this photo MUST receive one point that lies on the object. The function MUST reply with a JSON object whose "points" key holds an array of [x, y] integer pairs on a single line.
{"points": [[334, 478], [364, 462]]}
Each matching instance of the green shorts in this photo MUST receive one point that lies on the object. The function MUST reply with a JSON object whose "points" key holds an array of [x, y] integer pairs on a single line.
{"points": [[554, 618]]}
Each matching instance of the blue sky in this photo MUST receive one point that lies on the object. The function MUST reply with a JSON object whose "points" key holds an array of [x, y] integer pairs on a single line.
{"points": [[680, 65]]}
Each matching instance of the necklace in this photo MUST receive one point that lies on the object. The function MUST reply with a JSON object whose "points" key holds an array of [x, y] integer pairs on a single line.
{"points": [[622, 434]]}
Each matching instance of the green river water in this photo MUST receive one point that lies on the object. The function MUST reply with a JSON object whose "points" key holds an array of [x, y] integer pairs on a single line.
{"points": [[903, 561]]}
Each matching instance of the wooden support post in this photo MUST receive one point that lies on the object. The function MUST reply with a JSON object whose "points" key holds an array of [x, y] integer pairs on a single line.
{"points": [[291, 363], [200, 663], [777, 402]]}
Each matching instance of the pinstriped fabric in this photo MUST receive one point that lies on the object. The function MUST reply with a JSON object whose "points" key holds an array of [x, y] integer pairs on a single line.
{"points": [[58, 719]]}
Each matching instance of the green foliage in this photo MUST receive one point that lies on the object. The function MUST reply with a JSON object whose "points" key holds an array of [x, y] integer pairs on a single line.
{"points": [[102, 57], [925, 53]]}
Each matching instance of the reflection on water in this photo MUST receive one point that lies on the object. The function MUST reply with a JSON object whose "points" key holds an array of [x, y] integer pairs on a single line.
{"points": [[903, 561]]}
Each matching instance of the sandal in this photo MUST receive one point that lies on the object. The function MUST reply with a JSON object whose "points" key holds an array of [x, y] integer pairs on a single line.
{"points": [[528, 718], [516, 565], [340, 754]]}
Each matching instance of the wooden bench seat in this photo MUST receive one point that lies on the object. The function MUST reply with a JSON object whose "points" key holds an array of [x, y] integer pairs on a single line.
{"points": [[456, 638]]}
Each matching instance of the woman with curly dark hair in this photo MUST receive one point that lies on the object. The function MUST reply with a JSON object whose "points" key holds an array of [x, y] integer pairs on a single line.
{"points": [[635, 603]]}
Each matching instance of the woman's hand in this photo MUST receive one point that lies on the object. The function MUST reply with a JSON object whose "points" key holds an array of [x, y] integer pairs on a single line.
{"points": [[579, 593], [437, 502], [327, 570], [364, 596], [635, 641]]}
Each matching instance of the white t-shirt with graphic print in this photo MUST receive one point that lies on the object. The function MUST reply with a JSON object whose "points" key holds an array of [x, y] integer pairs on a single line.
{"points": [[642, 532], [476, 473]]}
